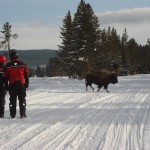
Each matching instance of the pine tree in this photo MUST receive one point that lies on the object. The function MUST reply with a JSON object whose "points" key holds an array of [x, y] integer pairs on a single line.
{"points": [[108, 54], [124, 41], [101, 53], [7, 36], [148, 42], [80, 38], [65, 47], [54, 67], [38, 71], [132, 55], [115, 46], [85, 38], [144, 58]]}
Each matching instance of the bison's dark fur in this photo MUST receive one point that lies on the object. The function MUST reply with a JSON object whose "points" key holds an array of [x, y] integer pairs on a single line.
{"points": [[101, 78]]}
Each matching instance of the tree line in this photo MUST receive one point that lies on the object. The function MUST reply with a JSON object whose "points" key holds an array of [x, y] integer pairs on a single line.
{"points": [[86, 47]]}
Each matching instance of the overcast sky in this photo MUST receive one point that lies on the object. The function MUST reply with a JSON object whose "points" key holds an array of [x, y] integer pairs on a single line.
{"points": [[38, 22]]}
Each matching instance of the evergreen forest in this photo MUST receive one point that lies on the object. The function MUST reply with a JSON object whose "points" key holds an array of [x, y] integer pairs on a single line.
{"points": [[86, 47]]}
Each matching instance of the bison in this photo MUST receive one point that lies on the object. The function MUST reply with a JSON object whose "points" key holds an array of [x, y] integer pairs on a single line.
{"points": [[101, 78]]}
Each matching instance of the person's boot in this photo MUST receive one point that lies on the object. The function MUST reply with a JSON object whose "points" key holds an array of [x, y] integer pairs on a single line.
{"points": [[12, 116], [1, 116], [23, 111], [12, 111], [23, 116], [1, 112]]}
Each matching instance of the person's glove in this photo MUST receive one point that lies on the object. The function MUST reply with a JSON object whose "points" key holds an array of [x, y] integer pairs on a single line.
{"points": [[26, 85], [6, 88], [5, 92]]}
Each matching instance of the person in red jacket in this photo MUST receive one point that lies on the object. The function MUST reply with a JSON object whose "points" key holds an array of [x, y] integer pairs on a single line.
{"points": [[17, 75], [2, 86]]}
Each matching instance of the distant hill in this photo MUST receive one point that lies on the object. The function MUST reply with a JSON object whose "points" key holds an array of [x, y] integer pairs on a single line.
{"points": [[35, 57]]}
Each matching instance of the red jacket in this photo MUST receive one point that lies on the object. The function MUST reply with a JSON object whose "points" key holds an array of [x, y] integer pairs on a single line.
{"points": [[1, 77], [16, 71]]}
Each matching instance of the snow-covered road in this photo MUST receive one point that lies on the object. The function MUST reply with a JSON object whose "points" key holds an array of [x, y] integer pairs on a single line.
{"points": [[63, 116]]}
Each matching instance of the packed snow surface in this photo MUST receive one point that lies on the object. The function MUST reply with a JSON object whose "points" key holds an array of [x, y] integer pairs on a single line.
{"points": [[62, 115]]}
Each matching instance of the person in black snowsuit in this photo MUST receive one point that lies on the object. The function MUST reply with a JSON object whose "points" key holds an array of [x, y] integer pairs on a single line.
{"points": [[2, 86], [17, 75]]}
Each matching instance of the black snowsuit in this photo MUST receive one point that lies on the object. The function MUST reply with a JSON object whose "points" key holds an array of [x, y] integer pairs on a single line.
{"points": [[17, 75], [2, 91]]}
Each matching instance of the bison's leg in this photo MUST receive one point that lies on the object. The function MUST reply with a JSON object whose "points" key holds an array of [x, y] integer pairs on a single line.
{"points": [[86, 83], [90, 84], [106, 88], [99, 86], [92, 87], [86, 87]]}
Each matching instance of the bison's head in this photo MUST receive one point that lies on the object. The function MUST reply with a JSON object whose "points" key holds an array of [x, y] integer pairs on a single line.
{"points": [[114, 78]]}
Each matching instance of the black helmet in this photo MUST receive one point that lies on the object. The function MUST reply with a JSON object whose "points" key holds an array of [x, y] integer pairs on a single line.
{"points": [[13, 54]]}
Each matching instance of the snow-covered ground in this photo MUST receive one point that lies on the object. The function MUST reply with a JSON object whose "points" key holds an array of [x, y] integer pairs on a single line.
{"points": [[63, 116]]}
